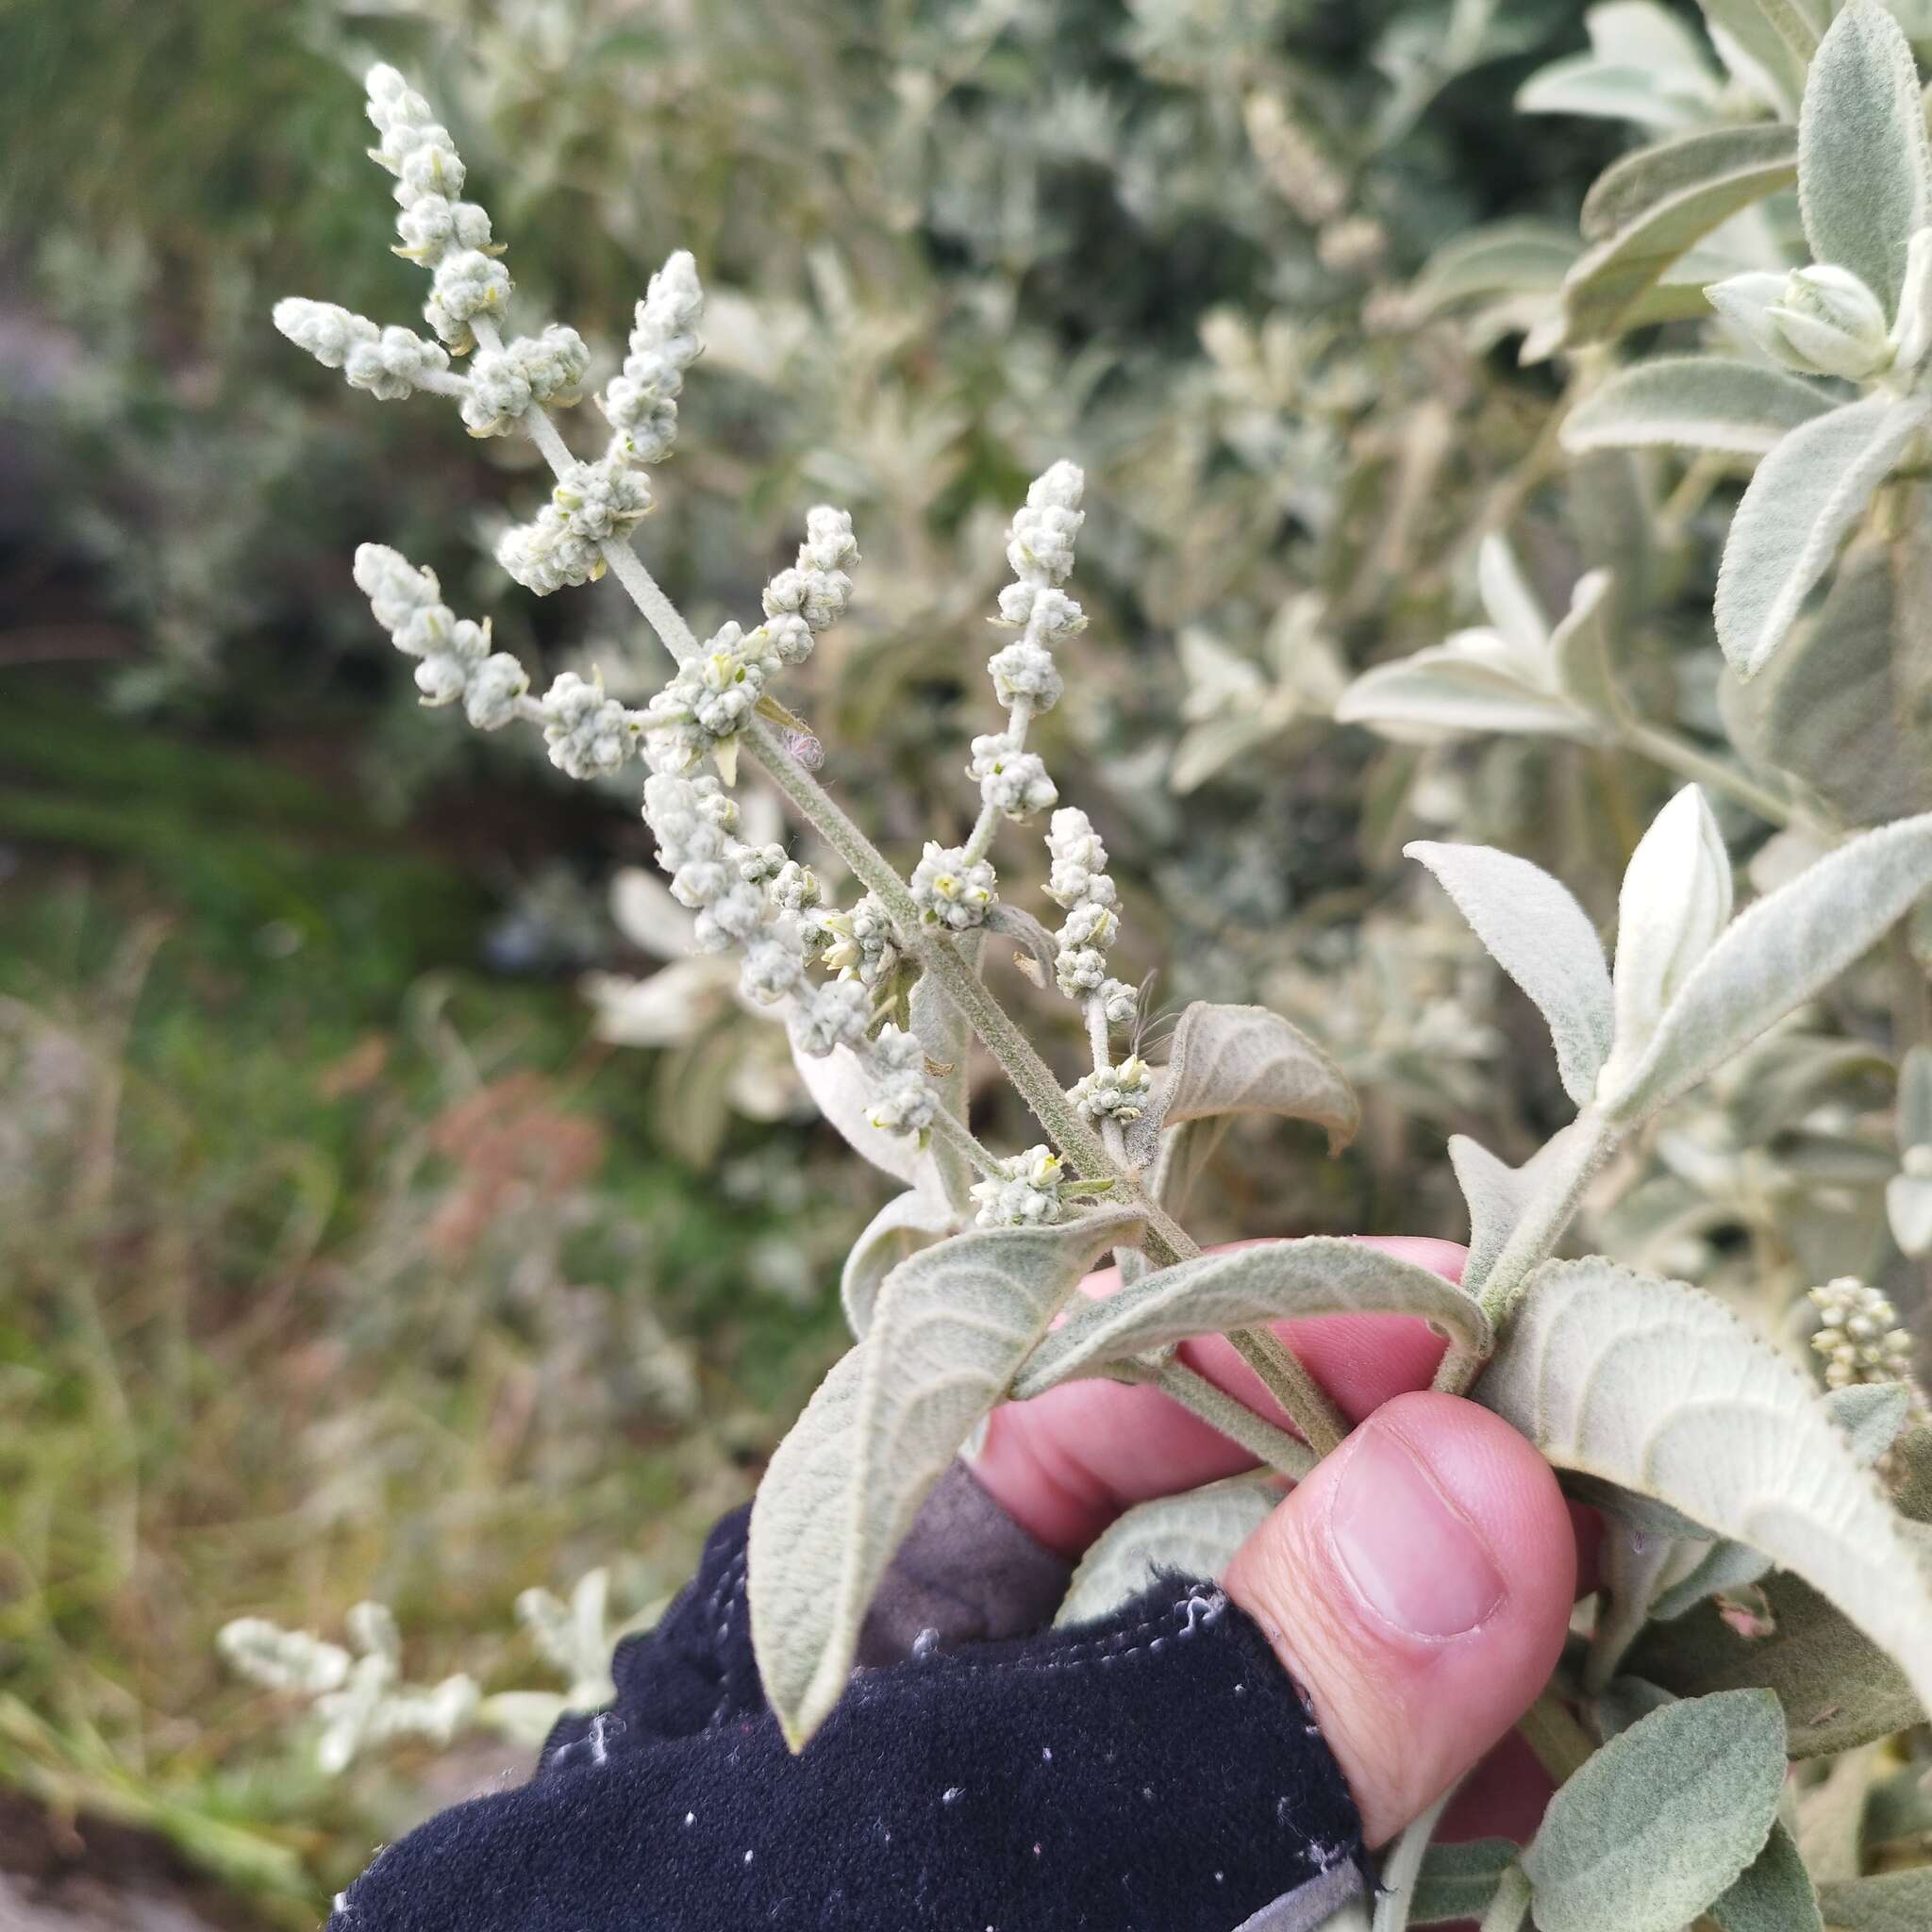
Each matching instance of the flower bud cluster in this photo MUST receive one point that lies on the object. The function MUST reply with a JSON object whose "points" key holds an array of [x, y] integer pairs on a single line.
{"points": [[907, 1101], [1862, 1340], [861, 944], [456, 660], [1824, 320], [641, 402], [834, 1014], [951, 888], [1078, 882], [1024, 1193], [539, 370], [1040, 546], [693, 820], [1011, 782], [812, 596], [711, 698], [449, 237], [589, 733], [1115, 1093], [593, 503], [390, 363]]}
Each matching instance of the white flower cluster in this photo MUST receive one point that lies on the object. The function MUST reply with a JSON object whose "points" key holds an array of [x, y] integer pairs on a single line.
{"points": [[1115, 1093], [390, 363], [907, 1101], [1011, 782], [456, 660], [951, 888], [448, 236], [641, 402], [860, 944], [602, 502], [1862, 1340], [812, 596], [589, 733], [1079, 884], [1040, 546], [532, 370], [694, 819], [1024, 1193]]}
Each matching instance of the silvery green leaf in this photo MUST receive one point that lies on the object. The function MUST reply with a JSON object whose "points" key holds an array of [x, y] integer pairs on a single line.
{"points": [[1773, 1895], [1496, 1195], [1693, 402], [1909, 1213], [1719, 1567], [1579, 647], [1507, 595], [1675, 901], [1839, 1689], [1228, 1059], [1833, 708], [1584, 84], [1660, 1388], [1805, 496], [947, 1037], [1441, 693], [1662, 1820], [1647, 209], [1871, 1414], [1776, 954], [1543, 939], [1911, 328], [1196, 1533], [906, 1223], [1758, 53], [1897, 1902], [1915, 1099], [1457, 1881], [1242, 1288], [841, 1092], [1864, 170], [1748, 303], [1504, 257], [949, 1328]]}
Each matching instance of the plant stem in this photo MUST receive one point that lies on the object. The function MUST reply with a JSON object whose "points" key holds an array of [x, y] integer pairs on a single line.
{"points": [[1403, 1866], [953, 1133], [1677, 754], [1235, 1421], [1561, 1745], [1632, 1563], [1582, 1148], [1307, 1402], [1510, 1906]]}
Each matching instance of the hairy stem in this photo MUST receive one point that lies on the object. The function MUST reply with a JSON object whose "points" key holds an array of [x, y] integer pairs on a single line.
{"points": [[952, 1134], [1632, 1563], [1321, 1424], [1403, 1866], [1586, 1144], [1678, 754], [1563, 1746], [1235, 1421]]}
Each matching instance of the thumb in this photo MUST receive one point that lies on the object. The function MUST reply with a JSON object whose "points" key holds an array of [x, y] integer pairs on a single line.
{"points": [[1418, 1587]]}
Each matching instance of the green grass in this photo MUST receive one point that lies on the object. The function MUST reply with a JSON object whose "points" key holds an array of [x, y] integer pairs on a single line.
{"points": [[332, 1268]]}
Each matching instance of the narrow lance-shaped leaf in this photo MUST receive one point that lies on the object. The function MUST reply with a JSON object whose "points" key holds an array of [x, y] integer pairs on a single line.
{"points": [[1776, 954], [1804, 499], [1269, 1281], [1661, 1390], [1864, 172], [1645, 212], [1196, 1533], [1662, 1820], [1543, 939], [1440, 691], [949, 1328], [1694, 402]]}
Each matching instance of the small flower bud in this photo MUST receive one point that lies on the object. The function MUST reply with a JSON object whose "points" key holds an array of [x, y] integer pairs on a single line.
{"points": [[1833, 321], [950, 889]]}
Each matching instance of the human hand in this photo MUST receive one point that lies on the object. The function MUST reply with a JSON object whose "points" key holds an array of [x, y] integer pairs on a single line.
{"points": [[1418, 1585]]}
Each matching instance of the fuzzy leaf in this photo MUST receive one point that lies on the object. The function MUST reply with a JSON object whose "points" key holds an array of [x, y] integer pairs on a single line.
{"points": [[1195, 1533], [1440, 691], [1694, 402], [1774, 1894], [1543, 939], [1241, 1287], [1777, 954], [1504, 257], [1838, 1688], [949, 1328], [1864, 172], [906, 1223], [1229, 1060], [1459, 1881], [1647, 209], [841, 1092], [1660, 1389], [1899, 1902], [1496, 1194], [1804, 498], [1766, 44], [1662, 1820]]}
